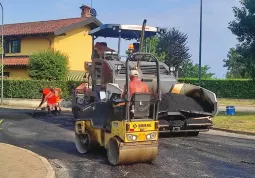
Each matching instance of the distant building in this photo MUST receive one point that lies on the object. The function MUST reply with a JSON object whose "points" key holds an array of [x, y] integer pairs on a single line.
{"points": [[67, 35]]}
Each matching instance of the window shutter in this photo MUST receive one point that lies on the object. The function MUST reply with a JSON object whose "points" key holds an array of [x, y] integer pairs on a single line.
{"points": [[19, 44], [6, 46], [12, 51]]}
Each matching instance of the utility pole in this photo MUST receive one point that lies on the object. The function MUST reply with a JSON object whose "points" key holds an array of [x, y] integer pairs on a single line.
{"points": [[2, 72], [200, 42]]}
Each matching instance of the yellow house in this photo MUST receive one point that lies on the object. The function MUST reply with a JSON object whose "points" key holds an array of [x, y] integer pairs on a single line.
{"points": [[67, 35]]}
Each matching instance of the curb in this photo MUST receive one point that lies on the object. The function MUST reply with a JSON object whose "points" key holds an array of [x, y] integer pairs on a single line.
{"points": [[50, 171], [32, 103], [234, 131], [27, 107]]}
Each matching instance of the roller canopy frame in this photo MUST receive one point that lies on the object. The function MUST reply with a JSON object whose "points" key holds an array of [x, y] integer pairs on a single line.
{"points": [[158, 91], [127, 32]]}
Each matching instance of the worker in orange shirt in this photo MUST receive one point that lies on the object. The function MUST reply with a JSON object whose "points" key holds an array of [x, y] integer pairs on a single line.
{"points": [[49, 97], [135, 85], [58, 93]]}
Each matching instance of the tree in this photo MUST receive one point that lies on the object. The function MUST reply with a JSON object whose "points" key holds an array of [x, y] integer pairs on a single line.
{"points": [[152, 45], [172, 46], [190, 70], [172, 49], [235, 65], [48, 65], [244, 28]]}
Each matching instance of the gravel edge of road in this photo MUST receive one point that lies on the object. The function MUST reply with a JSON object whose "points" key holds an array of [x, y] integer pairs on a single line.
{"points": [[234, 131], [50, 171]]}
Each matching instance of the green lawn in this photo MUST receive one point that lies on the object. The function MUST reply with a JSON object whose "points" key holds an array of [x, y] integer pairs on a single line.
{"points": [[236, 102], [1, 123], [240, 122]]}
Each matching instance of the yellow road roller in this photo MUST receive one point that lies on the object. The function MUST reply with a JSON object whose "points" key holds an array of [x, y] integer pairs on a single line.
{"points": [[126, 128]]}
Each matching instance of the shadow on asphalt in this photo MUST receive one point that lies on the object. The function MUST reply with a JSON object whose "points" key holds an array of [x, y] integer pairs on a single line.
{"points": [[68, 147], [64, 146], [64, 120], [43, 146], [171, 135]]}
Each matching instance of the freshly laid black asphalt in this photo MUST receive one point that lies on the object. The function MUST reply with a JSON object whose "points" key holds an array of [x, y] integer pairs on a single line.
{"points": [[208, 155], [172, 102]]}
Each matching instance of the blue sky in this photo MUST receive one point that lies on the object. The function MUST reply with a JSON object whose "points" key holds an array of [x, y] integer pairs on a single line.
{"points": [[182, 14]]}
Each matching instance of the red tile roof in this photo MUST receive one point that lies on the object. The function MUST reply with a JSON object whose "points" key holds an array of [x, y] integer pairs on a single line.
{"points": [[16, 61], [40, 27]]}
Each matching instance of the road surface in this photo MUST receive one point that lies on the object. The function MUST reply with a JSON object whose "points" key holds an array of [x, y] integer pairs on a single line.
{"points": [[212, 154]]}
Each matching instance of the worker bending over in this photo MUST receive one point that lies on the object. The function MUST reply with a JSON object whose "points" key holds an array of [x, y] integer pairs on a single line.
{"points": [[135, 85], [50, 98]]}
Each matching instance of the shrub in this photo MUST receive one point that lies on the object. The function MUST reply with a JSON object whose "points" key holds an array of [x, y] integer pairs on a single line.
{"points": [[1, 68], [30, 88], [48, 65], [231, 88], [241, 89]]}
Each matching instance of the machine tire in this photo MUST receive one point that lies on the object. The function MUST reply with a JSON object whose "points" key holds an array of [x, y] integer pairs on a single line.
{"points": [[193, 134], [113, 152], [82, 147]]}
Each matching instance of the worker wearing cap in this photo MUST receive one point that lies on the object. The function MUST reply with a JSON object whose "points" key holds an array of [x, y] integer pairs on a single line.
{"points": [[135, 85], [49, 96]]}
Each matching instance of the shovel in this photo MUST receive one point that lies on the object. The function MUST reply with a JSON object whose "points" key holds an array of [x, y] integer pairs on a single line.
{"points": [[35, 111]]}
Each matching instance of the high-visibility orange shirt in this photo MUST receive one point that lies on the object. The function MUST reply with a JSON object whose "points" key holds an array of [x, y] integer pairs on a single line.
{"points": [[135, 85], [49, 96], [58, 92]]}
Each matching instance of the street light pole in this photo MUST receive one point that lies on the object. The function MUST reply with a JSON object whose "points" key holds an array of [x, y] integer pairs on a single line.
{"points": [[2, 72], [200, 43]]}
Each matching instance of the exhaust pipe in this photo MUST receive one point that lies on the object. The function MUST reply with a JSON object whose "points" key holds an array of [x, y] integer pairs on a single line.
{"points": [[141, 41], [142, 35]]}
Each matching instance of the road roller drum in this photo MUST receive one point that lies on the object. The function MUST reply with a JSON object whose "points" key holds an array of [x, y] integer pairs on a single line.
{"points": [[119, 152]]}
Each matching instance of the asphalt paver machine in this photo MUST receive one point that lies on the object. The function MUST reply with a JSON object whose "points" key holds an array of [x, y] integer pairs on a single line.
{"points": [[183, 108]]}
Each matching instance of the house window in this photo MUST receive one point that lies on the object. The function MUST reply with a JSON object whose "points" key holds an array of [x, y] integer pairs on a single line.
{"points": [[6, 74], [15, 46], [12, 46]]}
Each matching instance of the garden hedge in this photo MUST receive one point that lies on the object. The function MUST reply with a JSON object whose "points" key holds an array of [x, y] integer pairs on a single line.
{"points": [[235, 88], [30, 88], [242, 89]]}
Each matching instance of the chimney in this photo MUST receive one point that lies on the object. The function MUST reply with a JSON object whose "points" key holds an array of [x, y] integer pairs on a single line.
{"points": [[85, 11]]}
